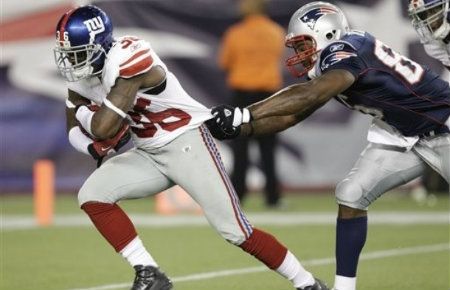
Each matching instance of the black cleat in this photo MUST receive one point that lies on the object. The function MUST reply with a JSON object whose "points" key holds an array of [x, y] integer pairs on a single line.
{"points": [[150, 278], [319, 285]]}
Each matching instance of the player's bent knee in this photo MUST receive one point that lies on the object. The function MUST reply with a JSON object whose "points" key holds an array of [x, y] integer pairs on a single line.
{"points": [[351, 194], [233, 238], [89, 193]]}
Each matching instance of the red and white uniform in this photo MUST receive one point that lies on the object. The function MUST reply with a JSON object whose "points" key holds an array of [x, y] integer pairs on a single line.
{"points": [[172, 147], [156, 118]]}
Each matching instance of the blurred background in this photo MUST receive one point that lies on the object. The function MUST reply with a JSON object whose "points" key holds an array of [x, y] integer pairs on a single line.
{"points": [[186, 35], [409, 241]]}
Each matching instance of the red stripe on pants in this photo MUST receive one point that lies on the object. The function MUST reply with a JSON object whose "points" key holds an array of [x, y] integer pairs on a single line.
{"points": [[265, 248], [112, 222]]}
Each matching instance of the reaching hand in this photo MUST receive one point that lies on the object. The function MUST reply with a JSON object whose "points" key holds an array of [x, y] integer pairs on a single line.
{"points": [[227, 116], [222, 133], [227, 121]]}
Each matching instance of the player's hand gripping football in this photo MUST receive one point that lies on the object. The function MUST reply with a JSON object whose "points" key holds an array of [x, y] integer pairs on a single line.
{"points": [[227, 120], [100, 148]]}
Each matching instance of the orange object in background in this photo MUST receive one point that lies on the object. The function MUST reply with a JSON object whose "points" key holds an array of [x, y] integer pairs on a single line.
{"points": [[44, 191], [176, 201]]}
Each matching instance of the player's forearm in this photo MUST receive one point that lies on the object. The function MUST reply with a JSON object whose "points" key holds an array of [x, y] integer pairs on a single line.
{"points": [[108, 120], [105, 124], [71, 121], [269, 125], [275, 124], [294, 100], [73, 100]]}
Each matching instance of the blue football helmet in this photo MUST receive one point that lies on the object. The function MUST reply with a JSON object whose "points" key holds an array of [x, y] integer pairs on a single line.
{"points": [[430, 18], [83, 38]]}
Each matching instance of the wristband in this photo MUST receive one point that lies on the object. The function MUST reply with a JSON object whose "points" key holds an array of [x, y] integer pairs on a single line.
{"points": [[114, 108], [79, 140], [69, 104], [246, 116], [84, 117]]}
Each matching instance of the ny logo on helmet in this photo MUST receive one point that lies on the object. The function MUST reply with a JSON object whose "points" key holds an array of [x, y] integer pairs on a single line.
{"points": [[95, 26]]}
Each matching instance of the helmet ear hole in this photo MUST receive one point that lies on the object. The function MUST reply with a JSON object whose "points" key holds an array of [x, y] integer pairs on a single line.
{"points": [[330, 35]]}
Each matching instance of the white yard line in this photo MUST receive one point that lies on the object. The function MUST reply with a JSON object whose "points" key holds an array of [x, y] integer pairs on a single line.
{"points": [[314, 262], [17, 222]]}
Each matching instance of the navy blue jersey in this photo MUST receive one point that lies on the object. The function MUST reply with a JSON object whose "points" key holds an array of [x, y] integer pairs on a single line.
{"points": [[404, 94]]}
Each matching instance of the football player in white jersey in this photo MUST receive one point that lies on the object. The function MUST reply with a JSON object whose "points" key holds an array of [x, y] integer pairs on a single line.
{"points": [[120, 86], [430, 19]]}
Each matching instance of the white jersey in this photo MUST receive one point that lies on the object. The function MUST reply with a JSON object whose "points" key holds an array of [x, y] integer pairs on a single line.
{"points": [[160, 114], [438, 50]]}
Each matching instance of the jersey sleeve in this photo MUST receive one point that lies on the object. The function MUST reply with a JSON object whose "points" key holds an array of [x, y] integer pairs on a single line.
{"points": [[129, 57], [341, 55]]}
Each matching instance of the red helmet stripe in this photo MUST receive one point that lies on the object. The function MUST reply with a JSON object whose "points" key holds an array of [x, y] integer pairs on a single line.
{"points": [[327, 10], [62, 27]]}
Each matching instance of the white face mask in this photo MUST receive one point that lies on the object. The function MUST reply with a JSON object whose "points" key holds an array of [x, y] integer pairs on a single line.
{"points": [[80, 73], [80, 65]]}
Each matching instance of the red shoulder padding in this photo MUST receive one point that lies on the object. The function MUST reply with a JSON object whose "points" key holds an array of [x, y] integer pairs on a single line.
{"points": [[127, 70]]}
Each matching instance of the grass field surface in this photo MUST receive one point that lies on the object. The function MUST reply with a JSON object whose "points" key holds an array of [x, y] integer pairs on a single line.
{"points": [[408, 246]]}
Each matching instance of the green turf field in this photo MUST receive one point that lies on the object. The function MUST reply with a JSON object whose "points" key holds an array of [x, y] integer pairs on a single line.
{"points": [[413, 255]]}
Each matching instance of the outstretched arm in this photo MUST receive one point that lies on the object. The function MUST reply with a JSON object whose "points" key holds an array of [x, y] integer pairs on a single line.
{"points": [[295, 103]]}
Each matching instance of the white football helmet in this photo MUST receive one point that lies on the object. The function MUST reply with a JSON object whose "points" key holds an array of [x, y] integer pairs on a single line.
{"points": [[430, 18], [312, 28]]}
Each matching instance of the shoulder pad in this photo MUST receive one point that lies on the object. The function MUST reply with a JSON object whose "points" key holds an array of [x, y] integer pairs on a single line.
{"points": [[336, 52], [129, 57]]}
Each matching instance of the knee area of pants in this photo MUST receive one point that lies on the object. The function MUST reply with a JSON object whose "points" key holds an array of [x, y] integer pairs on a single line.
{"points": [[348, 192], [86, 195], [233, 238]]}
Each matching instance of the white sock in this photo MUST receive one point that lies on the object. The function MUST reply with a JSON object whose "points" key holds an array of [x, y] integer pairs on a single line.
{"points": [[294, 271], [136, 254], [344, 283]]}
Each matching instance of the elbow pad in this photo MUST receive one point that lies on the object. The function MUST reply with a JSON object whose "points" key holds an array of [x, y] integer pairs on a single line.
{"points": [[79, 140]]}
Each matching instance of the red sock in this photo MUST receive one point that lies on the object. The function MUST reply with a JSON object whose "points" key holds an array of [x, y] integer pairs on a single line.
{"points": [[112, 222], [265, 248]]}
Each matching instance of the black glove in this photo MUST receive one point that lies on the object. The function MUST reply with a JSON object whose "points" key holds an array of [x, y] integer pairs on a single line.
{"points": [[228, 116], [227, 121], [222, 133]]}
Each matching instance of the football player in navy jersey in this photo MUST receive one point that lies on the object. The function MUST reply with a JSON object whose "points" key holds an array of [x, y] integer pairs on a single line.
{"points": [[410, 105]]}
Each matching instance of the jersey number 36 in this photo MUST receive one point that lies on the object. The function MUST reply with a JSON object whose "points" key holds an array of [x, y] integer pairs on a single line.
{"points": [[168, 120]]}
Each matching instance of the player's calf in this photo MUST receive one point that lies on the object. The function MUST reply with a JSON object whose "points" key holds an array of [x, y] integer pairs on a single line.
{"points": [[277, 257]]}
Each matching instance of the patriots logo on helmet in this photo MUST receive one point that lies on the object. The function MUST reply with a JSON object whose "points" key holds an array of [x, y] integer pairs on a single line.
{"points": [[312, 16]]}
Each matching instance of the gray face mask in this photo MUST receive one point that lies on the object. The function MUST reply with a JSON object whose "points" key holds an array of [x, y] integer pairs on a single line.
{"points": [[76, 63], [430, 20]]}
